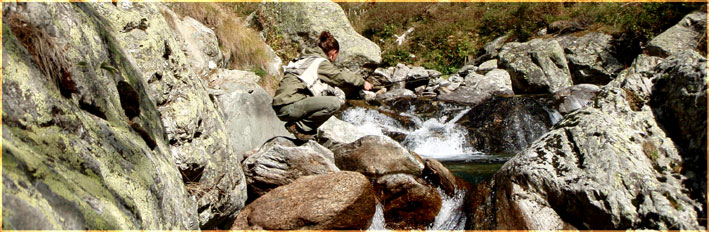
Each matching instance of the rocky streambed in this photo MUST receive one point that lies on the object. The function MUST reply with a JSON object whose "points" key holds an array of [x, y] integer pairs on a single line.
{"points": [[124, 116]]}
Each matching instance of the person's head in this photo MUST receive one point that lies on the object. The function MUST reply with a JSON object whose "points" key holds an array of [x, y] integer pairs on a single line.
{"points": [[329, 45]]}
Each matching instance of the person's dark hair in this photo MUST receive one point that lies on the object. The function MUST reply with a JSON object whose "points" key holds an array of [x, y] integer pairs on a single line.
{"points": [[328, 42]]}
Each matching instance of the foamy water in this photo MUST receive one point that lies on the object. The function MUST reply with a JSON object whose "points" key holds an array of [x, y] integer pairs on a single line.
{"points": [[437, 138]]}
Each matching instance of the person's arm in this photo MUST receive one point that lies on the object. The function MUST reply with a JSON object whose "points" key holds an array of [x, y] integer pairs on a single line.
{"points": [[337, 77]]}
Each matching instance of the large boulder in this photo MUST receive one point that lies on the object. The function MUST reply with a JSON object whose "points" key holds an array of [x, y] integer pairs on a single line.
{"points": [[199, 141], [84, 141], [409, 203], [302, 22], [200, 43], [336, 132], [686, 35], [377, 155], [679, 101], [341, 200], [590, 58], [280, 162], [478, 88], [537, 66], [577, 175], [246, 108]]}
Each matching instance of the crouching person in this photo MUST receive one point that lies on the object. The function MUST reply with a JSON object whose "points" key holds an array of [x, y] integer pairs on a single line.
{"points": [[307, 96]]}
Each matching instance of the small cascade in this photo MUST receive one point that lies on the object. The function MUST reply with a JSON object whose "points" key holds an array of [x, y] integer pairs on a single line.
{"points": [[450, 217], [436, 137]]}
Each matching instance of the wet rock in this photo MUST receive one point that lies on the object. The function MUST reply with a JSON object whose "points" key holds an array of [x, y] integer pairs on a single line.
{"points": [[686, 35], [477, 87], [336, 132], [301, 23], [200, 43], [341, 200], [246, 108], [573, 176], [575, 97], [537, 66], [679, 101], [440, 176], [408, 202], [78, 162], [506, 125], [590, 58], [487, 66], [280, 162], [376, 155]]}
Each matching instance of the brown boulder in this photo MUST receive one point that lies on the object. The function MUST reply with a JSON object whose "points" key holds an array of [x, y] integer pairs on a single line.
{"points": [[341, 200], [376, 156], [408, 202]]}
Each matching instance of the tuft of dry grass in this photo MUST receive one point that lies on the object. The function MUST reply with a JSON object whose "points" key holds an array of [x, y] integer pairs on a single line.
{"points": [[45, 51], [242, 45]]}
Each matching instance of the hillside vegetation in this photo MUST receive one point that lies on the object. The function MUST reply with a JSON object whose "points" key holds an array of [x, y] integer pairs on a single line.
{"points": [[448, 35]]}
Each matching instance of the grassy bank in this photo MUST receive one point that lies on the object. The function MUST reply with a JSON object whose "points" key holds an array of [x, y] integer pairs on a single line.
{"points": [[447, 35]]}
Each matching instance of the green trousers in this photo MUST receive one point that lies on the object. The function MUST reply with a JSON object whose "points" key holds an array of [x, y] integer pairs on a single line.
{"points": [[308, 114]]}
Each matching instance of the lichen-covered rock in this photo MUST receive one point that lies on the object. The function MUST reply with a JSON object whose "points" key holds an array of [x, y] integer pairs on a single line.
{"points": [[487, 66], [127, 44], [341, 200], [575, 97], [537, 66], [477, 87], [200, 43], [248, 116], [686, 35], [590, 58], [679, 101], [280, 162], [98, 156], [409, 203], [377, 155], [577, 175], [302, 23]]}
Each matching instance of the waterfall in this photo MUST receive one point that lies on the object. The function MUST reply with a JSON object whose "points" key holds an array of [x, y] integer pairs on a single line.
{"points": [[451, 215], [436, 137]]}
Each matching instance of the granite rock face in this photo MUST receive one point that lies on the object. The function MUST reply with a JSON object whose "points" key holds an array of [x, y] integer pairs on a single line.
{"points": [[537, 66], [577, 175]]}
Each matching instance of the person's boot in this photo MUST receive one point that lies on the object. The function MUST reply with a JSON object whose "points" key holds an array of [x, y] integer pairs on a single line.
{"points": [[293, 129]]}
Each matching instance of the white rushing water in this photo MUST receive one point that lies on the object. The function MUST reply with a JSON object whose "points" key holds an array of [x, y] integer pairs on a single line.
{"points": [[438, 138], [450, 217]]}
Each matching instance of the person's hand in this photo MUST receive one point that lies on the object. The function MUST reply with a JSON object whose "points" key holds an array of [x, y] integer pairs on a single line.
{"points": [[367, 85]]}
